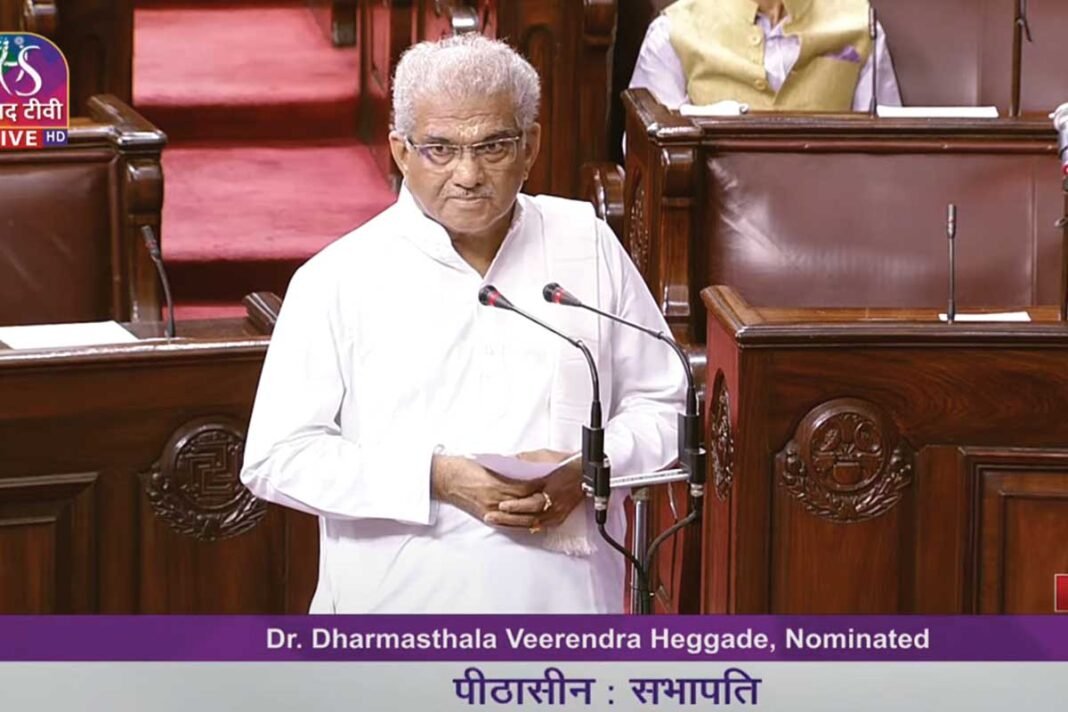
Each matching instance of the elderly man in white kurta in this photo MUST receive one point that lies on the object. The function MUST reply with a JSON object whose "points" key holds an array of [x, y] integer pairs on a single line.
{"points": [[384, 372]]}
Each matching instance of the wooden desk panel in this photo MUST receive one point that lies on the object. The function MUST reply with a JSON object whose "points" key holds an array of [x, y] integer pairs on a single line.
{"points": [[884, 463], [119, 489], [844, 228], [838, 210], [835, 210]]}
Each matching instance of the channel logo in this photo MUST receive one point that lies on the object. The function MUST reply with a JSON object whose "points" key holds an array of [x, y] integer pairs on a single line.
{"points": [[34, 92]]}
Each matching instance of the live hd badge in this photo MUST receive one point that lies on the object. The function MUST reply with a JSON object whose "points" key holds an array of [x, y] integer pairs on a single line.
{"points": [[34, 92]]}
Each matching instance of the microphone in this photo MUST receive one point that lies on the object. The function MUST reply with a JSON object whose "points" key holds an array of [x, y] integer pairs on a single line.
{"points": [[157, 259], [1060, 122], [692, 454], [596, 475], [951, 234], [873, 32]]}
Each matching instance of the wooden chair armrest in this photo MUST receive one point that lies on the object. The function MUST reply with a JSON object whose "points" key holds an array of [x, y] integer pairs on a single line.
{"points": [[602, 185], [262, 309], [39, 16]]}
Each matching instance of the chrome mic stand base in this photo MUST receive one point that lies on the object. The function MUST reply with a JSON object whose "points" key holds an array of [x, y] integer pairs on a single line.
{"points": [[639, 546], [639, 484]]}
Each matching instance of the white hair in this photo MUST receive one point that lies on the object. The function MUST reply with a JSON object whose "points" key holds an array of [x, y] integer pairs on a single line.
{"points": [[463, 67]]}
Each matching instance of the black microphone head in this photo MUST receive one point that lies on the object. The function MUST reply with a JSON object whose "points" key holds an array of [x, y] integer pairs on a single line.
{"points": [[490, 296], [553, 292]]}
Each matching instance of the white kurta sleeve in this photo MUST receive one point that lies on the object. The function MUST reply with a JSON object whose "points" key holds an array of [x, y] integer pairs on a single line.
{"points": [[888, 92], [296, 454], [659, 69], [648, 383]]}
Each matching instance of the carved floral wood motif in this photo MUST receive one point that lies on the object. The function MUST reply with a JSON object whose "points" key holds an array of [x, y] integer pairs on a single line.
{"points": [[721, 439], [637, 230], [846, 461], [195, 486]]}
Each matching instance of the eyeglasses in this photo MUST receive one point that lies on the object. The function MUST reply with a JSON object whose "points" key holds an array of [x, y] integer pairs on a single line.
{"points": [[495, 151]]}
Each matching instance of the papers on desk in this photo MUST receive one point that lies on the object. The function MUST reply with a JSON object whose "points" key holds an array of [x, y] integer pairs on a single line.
{"points": [[1017, 316], [728, 107], [515, 469], [56, 336], [938, 112]]}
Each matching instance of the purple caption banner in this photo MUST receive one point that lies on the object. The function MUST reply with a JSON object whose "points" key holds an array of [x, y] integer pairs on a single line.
{"points": [[533, 638]]}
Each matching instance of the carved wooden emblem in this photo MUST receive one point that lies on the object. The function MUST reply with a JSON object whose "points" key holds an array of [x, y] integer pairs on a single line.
{"points": [[721, 438], [195, 486], [846, 461], [637, 230]]}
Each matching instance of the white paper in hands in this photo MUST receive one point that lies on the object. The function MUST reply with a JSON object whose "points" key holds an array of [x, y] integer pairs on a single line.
{"points": [[523, 470], [569, 537]]}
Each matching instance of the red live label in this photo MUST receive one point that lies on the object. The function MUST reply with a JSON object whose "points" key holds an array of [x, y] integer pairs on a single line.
{"points": [[1060, 593]]}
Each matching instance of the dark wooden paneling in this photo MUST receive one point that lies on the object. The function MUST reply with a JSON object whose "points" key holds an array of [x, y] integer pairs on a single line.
{"points": [[386, 28], [839, 228], [173, 569], [86, 261], [569, 44], [879, 246], [47, 543], [28, 547], [96, 36], [704, 204], [943, 520], [886, 463], [10, 14], [162, 428], [661, 193], [1021, 527], [37, 16]]}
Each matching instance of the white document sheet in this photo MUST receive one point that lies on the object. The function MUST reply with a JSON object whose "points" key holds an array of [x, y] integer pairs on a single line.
{"points": [[938, 112], [728, 107], [994, 316], [515, 469], [54, 336]]}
